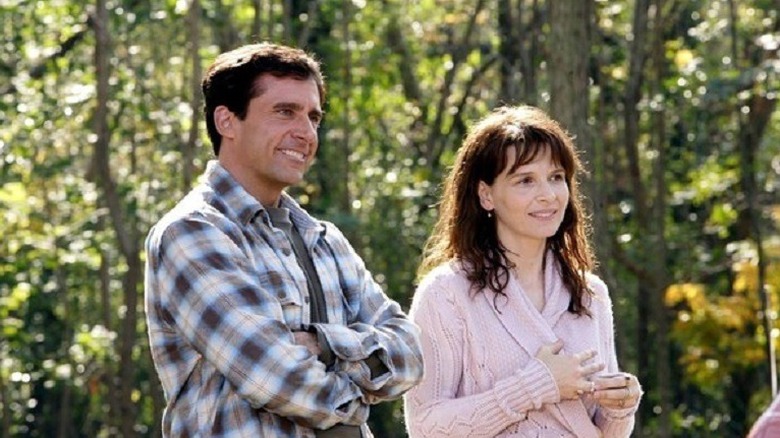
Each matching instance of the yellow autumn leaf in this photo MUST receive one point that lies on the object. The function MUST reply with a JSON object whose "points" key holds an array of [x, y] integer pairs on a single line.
{"points": [[682, 58], [692, 293], [13, 193], [745, 276]]}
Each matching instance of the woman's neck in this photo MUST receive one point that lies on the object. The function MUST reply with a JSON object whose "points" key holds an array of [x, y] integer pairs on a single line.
{"points": [[529, 272]]}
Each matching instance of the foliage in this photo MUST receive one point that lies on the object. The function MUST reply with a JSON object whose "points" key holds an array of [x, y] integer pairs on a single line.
{"points": [[405, 80]]}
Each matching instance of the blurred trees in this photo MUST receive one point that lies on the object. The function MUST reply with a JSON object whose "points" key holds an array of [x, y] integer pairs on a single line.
{"points": [[673, 104]]}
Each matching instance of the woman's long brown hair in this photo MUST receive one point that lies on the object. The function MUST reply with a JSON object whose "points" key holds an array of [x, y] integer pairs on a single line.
{"points": [[465, 233]]}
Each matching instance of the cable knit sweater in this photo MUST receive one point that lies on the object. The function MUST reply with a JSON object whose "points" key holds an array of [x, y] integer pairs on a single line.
{"points": [[481, 375]]}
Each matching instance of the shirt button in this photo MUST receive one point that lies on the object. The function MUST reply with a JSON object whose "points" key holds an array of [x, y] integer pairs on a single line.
{"points": [[286, 252], [306, 300]]}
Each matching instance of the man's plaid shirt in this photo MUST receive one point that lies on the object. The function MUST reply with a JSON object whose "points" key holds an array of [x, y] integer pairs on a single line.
{"points": [[223, 294]]}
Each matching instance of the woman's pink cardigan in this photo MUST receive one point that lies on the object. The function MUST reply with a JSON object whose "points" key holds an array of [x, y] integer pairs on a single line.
{"points": [[768, 425], [481, 375]]}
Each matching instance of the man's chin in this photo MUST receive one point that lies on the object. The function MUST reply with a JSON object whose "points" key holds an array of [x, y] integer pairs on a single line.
{"points": [[293, 180]]}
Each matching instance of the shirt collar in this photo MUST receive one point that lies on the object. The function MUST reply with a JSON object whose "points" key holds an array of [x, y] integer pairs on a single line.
{"points": [[246, 207], [237, 200], [298, 215]]}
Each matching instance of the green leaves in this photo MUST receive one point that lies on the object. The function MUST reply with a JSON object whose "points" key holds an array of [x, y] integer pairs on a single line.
{"points": [[404, 83]]}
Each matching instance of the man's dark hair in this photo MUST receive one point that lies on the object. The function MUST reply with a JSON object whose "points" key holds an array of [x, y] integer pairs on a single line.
{"points": [[232, 78]]}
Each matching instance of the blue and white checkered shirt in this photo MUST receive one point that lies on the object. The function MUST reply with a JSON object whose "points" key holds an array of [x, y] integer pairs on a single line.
{"points": [[223, 294]]}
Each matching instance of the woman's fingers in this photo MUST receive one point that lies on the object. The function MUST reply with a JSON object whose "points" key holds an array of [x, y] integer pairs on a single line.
{"points": [[585, 356], [617, 391]]}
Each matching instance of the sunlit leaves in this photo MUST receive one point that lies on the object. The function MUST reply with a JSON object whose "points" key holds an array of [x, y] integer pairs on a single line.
{"points": [[721, 330], [683, 59], [709, 355], [693, 294], [711, 179], [58, 254], [92, 343]]}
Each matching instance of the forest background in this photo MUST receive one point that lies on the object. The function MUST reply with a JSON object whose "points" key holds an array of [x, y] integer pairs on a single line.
{"points": [[673, 103]]}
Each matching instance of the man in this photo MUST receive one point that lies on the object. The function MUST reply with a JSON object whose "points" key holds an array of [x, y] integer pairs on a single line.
{"points": [[263, 321]]}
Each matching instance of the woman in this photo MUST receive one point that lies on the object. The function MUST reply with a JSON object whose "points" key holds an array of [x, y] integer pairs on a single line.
{"points": [[517, 333], [768, 424]]}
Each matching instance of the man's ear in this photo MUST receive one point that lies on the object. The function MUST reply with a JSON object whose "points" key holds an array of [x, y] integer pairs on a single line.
{"points": [[224, 121], [485, 196]]}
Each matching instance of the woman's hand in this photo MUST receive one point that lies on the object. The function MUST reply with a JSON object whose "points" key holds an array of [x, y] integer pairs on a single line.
{"points": [[570, 371], [617, 391]]}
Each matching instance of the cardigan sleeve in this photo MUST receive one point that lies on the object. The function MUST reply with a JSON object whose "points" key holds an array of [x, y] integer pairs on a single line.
{"points": [[434, 408], [611, 422]]}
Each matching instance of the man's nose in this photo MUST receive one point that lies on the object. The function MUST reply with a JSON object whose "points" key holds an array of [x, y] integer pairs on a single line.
{"points": [[306, 129]]}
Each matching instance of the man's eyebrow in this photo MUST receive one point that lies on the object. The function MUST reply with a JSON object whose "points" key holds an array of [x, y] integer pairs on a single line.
{"points": [[297, 107], [288, 105]]}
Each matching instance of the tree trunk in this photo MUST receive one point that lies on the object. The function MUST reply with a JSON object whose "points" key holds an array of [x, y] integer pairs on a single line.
{"points": [[304, 28], [532, 34], [69, 318], [188, 147], [436, 139], [510, 27], [652, 277], [570, 101], [287, 21], [517, 51], [126, 233], [570, 38], [428, 139], [752, 127], [5, 420], [109, 376], [257, 20], [752, 130], [344, 201], [658, 210], [226, 34]]}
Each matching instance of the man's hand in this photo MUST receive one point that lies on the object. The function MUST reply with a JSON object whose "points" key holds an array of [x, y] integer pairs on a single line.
{"points": [[308, 340]]}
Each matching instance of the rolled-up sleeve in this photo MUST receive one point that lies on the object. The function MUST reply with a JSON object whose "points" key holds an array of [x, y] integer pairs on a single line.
{"points": [[377, 327]]}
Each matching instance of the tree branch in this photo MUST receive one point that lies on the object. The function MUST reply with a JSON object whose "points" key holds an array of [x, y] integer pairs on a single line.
{"points": [[39, 69]]}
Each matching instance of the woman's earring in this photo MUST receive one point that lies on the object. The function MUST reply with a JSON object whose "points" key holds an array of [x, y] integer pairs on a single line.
{"points": [[490, 214]]}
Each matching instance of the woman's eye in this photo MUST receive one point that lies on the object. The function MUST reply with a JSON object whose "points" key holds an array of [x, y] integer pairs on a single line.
{"points": [[525, 181]]}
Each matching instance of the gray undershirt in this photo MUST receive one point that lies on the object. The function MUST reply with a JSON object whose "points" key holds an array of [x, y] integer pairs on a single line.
{"points": [[280, 218]]}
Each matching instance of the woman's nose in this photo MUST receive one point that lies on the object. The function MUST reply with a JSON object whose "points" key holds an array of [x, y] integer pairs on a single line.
{"points": [[546, 191]]}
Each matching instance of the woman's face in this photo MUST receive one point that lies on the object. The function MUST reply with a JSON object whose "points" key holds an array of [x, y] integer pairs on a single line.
{"points": [[529, 203]]}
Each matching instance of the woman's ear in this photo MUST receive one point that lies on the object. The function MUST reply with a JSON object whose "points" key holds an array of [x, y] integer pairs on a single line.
{"points": [[223, 120], [485, 196]]}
